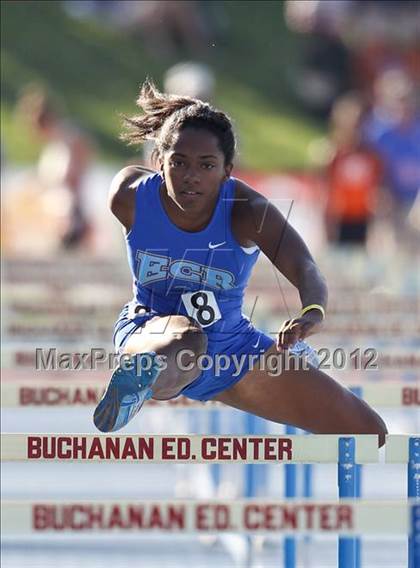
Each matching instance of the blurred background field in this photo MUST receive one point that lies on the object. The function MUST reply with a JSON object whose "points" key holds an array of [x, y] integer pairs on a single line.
{"points": [[311, 87], [94, 66], [324, 97]]}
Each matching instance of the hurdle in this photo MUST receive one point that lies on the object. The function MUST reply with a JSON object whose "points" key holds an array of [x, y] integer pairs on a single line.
{"points": [[249, 516], [48, 394], [54, 392], [314, 448], [346, 451]]}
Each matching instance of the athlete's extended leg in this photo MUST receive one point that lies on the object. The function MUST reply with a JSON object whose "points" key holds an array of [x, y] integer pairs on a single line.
{"points": [[308, 399], [156, 362]]}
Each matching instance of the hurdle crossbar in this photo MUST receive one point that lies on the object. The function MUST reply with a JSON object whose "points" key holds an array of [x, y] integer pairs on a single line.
{"points": [[314, 448], [51, 393], [350, 518]]}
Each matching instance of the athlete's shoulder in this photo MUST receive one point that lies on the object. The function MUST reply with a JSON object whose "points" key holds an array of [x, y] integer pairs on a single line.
{"points": [[247, 212], [247, 201], [126, 178], [122, 193]]}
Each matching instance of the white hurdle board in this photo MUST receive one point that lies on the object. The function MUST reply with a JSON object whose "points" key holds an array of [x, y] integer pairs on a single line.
{"points": [[314, 448], [397, 448], [351, 517], [51, 393]]}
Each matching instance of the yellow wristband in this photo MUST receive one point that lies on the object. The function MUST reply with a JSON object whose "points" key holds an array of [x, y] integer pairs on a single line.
{"points": [[313, 307]]}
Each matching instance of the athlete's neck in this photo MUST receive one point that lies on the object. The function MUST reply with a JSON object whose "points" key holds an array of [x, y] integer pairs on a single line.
{"points": [[191, 220]]}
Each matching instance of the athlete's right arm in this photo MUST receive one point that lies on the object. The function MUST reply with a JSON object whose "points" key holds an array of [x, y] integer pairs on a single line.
{"points": [[122, 193]]}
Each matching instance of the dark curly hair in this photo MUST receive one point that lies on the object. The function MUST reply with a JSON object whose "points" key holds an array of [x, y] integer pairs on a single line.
{"points": [[165, 115]]}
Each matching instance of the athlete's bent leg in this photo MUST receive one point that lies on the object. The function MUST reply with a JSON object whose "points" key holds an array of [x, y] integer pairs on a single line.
{"points": [[162, 360], [308, 399], [180, 340]]}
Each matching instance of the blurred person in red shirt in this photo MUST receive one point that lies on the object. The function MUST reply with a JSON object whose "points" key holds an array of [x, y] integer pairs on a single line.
{"points": [[353, 176]]}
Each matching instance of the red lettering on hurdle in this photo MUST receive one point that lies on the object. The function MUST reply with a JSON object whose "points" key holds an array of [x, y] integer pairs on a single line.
{"points": [[57, 396], [182, 451], [345, 518], [84, 517], [210, 517], [410, 396], [34, 447]]}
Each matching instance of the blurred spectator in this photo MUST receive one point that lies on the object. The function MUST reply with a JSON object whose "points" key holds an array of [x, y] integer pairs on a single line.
{"points": [[352, 177], [390, 90], [64, 160], [382, 35], [393, 130], [324, 72], [351, 42]]}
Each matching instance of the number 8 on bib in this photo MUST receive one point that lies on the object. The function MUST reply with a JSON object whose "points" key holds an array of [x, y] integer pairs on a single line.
{"points": [[202, 306]]}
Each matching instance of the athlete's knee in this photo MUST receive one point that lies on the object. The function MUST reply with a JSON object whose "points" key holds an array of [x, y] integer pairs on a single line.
{"points": [[379, 428], [373, 423], [189, 333]]}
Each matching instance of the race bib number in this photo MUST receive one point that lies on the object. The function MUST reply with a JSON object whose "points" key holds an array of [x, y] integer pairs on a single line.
{"points": [[202, 306]]}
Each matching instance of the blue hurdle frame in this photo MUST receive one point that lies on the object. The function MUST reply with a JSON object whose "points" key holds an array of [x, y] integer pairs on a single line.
{"points": [[413, 492], [349, 487]]}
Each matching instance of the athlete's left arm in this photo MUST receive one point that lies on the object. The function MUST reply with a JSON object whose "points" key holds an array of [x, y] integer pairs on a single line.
{"points": [[282, 244]]}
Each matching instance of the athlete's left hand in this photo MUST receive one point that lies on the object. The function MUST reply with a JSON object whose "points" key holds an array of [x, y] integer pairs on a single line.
{"points": [[298, 328]]}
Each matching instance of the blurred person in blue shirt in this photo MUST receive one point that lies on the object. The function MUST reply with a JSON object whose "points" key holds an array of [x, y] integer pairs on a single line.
{"points": [[393, 129]]}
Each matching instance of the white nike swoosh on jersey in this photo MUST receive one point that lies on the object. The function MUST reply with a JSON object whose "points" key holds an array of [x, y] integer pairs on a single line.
{"points": [[213, 246], [258, 340]]}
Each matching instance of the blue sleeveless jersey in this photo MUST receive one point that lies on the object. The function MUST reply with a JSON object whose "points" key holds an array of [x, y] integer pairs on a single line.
{"points": [[202, 274]]}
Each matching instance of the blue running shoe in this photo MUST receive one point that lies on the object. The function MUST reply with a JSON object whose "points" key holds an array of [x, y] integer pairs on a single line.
{"points": [[129, 387]]}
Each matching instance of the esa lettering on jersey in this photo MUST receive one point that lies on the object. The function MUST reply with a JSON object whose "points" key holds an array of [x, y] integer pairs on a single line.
{"points": [[153, 267]]}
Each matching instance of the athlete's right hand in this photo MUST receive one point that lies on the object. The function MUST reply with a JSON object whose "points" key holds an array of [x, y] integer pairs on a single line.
{"points": [[298, 328]]}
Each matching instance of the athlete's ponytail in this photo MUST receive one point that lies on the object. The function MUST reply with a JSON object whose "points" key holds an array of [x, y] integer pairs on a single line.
{"points": [[157, 107], [164, 115]]}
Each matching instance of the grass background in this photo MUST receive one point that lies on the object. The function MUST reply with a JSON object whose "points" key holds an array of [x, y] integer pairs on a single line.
{"points": [[94, 71]]}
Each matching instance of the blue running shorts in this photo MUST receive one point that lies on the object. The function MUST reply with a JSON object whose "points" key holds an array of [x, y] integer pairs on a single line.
{"points": [[233, 350]]}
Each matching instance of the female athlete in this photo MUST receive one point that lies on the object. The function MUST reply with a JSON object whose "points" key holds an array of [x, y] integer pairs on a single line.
{"points": [[193, 234]]}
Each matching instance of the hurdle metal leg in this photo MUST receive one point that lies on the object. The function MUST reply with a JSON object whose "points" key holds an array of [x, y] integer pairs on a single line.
{"points": [[215, 429], [250, 482], [413, 492], [358, 543], [308, 472], [414, 539], [290, 492], [358, 391], [347, 487]]}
